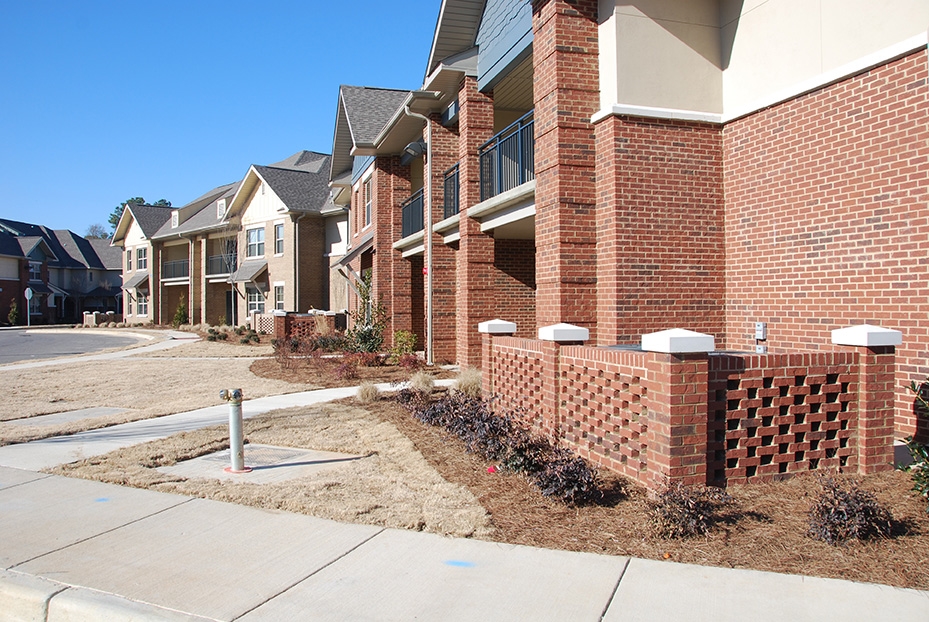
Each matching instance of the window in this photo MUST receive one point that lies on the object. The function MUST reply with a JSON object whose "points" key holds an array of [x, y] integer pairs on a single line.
{"points": [[174, 220], [35, 307], [255, 242], [220, 209], [256, 300], [279, 297], [141, 259], [128, 261], [35, 271], [368, 200], [141, 303], [279, 238]]}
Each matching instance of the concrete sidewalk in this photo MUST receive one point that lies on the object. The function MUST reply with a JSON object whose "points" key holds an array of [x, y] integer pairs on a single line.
{"points": [[81, 550]]}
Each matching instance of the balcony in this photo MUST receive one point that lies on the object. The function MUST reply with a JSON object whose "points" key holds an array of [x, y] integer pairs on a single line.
{"points": [[179, 269], [412, 215], [508, 159], [221, 264], [451, 191]]}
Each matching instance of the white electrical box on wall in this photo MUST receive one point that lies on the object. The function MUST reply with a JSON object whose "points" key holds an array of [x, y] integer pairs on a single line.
{"points": [[761, 331]]}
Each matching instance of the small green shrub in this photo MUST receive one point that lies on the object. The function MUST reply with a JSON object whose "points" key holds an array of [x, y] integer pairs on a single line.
{"points": [[13, 316], [683, 511], [919, 469], [840, 514], [180, 314], [404, 345]]}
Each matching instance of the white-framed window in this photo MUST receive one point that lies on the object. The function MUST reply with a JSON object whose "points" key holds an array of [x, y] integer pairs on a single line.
{"points": [[129, 261], [279, 238], [141, 259], [369, 199], [35, 306], [220, 209], [279, 297], [255, 242], [175, 220], [35, 271], [256, 300], [141, 303]]}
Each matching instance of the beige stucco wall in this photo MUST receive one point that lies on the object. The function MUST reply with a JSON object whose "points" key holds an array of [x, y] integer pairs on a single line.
{"points": [[729, 57]]}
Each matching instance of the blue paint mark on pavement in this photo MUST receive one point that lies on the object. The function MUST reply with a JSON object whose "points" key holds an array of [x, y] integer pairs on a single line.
{"points": [[102, 499], [459, 563]]}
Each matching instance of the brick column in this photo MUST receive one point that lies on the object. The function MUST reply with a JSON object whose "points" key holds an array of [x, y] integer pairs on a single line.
{"points": [[474, 269], [876, 367], [678, 377], [553, 338], [486, 331], [566, 94], [444, 153], [393, 276]]}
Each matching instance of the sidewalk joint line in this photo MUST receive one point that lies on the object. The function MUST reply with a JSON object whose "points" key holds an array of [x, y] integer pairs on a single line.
{"points": [[609, 602], [102, 533], [314, 573]]}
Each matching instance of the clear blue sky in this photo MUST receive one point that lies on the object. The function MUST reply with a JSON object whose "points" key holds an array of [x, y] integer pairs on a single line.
{"points": [[101, 101]]}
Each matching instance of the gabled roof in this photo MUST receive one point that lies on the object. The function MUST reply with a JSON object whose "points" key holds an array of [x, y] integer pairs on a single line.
{"points": [[455, 30], [29, 243], [111, 258], [149, 218], [201, 214], [64, 248], [362, 114], [300, 181]]}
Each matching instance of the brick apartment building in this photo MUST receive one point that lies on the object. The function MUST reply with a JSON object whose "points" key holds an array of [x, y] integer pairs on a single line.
{"points": [[630, 168]]}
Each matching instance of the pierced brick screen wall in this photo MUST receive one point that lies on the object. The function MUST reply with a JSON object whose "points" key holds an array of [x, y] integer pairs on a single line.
{"points": [[776, 414], [605, 413], [744, 418]]}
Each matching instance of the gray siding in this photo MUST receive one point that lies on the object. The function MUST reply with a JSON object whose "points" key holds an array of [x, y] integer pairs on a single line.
{"points": [[504, 39]]}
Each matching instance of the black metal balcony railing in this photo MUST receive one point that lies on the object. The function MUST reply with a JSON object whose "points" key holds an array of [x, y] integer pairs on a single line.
{"points": [[508, 159], [175, 269], [451, 191], [221, 264], [412, 213]]}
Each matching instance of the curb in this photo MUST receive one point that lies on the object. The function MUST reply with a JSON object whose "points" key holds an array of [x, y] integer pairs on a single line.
{"points": [[34, 599]]}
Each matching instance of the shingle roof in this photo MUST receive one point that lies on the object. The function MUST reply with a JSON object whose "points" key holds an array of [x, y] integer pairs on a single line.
{"points": [[308, 161], [369, 109], [299, 190], [70, 250], [203, 219], [149, 217], [111, 257]]}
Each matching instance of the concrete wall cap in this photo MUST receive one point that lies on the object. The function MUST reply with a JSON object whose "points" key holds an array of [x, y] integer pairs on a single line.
{"points": [[866, 335], [278, 312], [678, 341], [563, 332], [497, 327]]}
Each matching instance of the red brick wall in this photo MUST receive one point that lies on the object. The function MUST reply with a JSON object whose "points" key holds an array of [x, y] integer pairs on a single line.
{"points": [[444, 152], [827, 220], [660, 254], [515, 288], [566, 94]]}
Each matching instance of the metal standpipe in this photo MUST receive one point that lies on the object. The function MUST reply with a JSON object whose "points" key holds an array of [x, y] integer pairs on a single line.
{"points": [[236, 435]]}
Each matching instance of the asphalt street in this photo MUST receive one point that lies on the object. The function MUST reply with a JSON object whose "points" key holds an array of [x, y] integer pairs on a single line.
{"points": [[29, 345]]}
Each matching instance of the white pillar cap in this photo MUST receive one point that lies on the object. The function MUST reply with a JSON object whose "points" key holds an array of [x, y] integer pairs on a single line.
{"points": [[866, 335], [497, 327], [563, 332], [678, 341]]}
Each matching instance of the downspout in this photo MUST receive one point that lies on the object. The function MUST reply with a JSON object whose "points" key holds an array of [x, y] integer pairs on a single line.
{"points": [[427, 238]]}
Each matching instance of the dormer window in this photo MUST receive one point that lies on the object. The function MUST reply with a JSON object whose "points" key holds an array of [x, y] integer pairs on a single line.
{"points": [[35, 271], [220, 209], [174, 220]]}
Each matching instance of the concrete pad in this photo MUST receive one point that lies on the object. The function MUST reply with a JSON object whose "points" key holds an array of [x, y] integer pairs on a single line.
{"points": [[14, 477], [79, 605], [654, 590], [203, 557], [402, 575], [66, 417], [44, 515], [269, 464], [24, 597]]}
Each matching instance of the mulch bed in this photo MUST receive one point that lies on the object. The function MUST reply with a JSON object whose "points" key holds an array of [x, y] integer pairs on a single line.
{"points": [[764, 529], [322, 371]]}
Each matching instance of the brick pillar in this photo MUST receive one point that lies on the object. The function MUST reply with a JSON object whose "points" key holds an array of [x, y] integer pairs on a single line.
{"points": [[195, 288], [393, 276], [486, 331], [677, 419], [444, 153], [474, 271], [566, 93], [553, 338], [876, 367]]}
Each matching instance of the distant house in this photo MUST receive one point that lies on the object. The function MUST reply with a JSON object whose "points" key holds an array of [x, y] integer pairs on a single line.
{"points": [[66, 273], [133, 234]]}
